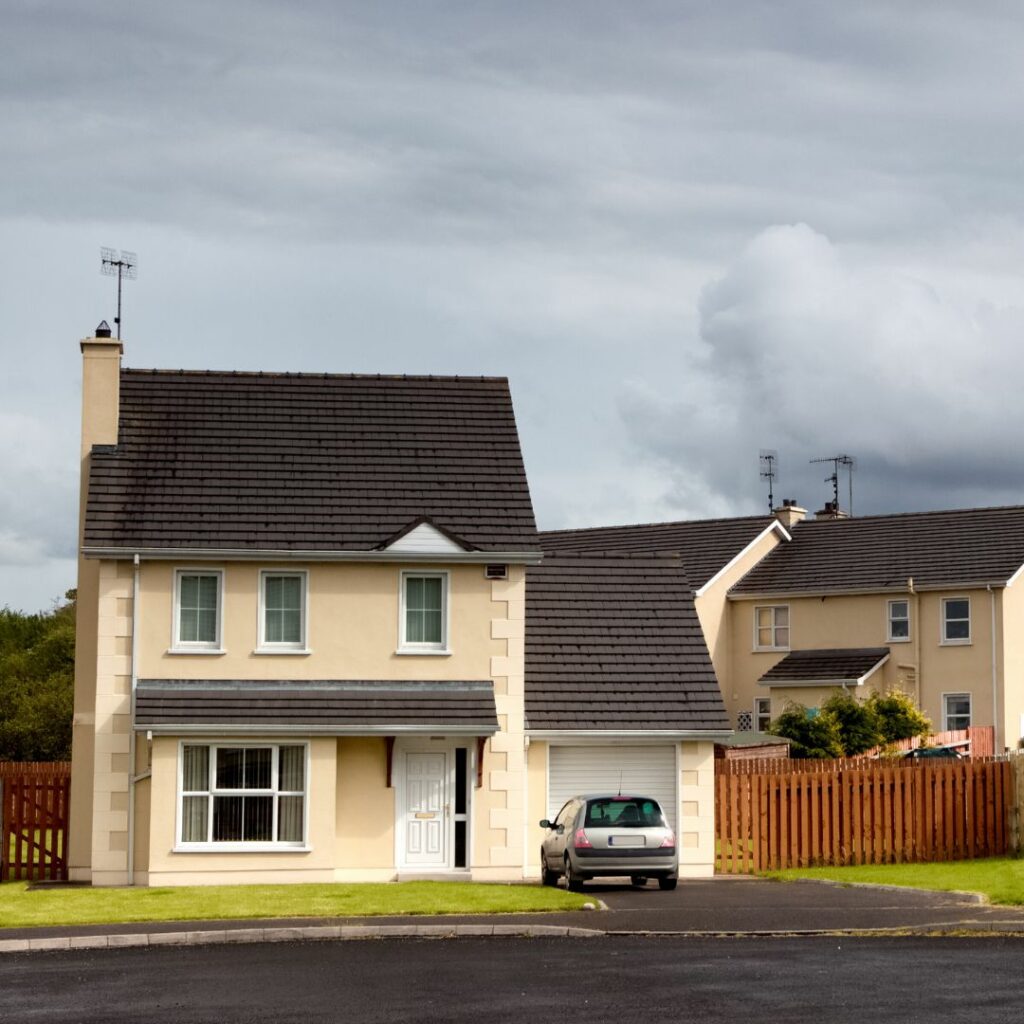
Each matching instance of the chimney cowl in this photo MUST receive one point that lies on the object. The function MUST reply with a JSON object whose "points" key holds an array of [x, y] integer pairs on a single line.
{"points": [[103, 331]]}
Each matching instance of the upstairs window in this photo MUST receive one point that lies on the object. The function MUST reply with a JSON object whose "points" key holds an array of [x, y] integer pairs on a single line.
{"points": [[282, 611], [956, 620], [197, 610], [771, 628], [424, 613], [899, 621]]}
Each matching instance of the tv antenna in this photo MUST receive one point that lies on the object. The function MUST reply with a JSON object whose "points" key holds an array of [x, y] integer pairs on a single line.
{"points": [[840, 460], [125, 268], [769, 462]]}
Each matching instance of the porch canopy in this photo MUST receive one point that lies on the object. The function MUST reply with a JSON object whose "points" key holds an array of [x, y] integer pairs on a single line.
{"points": [[843, 666], [332, 707]]}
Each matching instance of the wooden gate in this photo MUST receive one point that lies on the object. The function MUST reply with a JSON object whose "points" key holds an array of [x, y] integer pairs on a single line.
{"points": [[34, 801], [924, 811]]}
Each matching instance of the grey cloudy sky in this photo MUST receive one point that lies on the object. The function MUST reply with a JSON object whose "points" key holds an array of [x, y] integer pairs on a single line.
{"points": [[685, 231]]}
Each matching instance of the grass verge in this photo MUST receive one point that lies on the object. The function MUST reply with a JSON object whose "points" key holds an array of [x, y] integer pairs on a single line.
{"points": [[1001, 879], [22, 908]]}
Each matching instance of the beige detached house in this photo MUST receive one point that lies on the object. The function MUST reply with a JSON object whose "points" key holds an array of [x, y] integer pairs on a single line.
{"points": [[930, 603], [302, 639]]}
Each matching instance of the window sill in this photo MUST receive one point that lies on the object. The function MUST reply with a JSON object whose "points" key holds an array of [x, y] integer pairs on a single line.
{"points": [[240, 848], [430, 653], [287, 651], [898, 640], [955, 643], [196, 650], [770, 650]]}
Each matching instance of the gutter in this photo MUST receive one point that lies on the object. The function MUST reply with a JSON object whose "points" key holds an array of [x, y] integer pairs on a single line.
{"points": [[306, 555], [897, 588], [654, 735]]}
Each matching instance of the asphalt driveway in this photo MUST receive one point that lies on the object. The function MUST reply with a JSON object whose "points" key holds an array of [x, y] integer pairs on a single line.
{"points": [[722, 905]]}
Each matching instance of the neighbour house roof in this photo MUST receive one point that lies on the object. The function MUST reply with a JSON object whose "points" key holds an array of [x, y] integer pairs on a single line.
{"points": [[613, 643], [325, 706], [302, 462], [705, 546], [936, 549], [831, 667]]}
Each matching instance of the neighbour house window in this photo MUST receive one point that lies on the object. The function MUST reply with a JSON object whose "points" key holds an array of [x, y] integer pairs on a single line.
{"points": [[771, 627], [762, 713], [243, 794], [424, 612], [956, 711], [899, 620], [956, 620], [283, 611], [197, 610]]}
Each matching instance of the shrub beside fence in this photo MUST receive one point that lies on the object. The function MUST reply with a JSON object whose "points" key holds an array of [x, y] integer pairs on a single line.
{"points": [[881, 814], [34, 801]]}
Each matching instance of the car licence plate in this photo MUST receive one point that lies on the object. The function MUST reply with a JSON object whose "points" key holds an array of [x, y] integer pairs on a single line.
{"points": [[627, 841]]}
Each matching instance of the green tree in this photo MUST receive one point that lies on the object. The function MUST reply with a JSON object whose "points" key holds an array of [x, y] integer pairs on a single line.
{"points": [[37, 674], [859, 728], [898, 716], [812, 736]]}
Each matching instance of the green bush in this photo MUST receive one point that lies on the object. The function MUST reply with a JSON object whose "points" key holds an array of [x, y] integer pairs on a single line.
{"points": [[859, 728], [817, 737], [898, 716]]}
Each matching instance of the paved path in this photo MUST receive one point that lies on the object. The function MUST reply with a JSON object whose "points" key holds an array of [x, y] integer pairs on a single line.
{"points": [[729, 906]]}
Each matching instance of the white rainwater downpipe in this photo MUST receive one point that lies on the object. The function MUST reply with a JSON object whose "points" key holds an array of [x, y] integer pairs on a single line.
{"points": [[132, 777], [995, 681]]}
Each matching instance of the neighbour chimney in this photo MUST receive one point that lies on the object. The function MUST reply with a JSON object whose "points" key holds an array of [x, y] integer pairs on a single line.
{"points": [[790, 513], [831, 510]]}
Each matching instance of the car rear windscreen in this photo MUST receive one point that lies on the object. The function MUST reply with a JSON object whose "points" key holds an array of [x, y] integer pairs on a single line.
{"points": [[624, 812]]}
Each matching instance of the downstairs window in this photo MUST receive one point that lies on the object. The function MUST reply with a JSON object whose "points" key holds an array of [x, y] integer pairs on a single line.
{"points": [[249, 796]]}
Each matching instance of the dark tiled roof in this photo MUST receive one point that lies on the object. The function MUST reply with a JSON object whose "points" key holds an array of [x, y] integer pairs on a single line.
{"points": [[613, 642], [342, 707], [880, 552], [831, 666], [705, 546], [304, 462]]}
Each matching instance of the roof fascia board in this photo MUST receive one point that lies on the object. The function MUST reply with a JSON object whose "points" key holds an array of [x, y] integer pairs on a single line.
{"points": [[604, 735], [871, 671], [775, 526], [770, 683], [1013, 579], [275, 555], [781, 595], [250, 729]]}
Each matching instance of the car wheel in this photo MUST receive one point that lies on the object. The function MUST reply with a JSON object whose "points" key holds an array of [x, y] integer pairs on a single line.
{"points": [[667, 884], [638, 880], [573, 882], [547, 876]]}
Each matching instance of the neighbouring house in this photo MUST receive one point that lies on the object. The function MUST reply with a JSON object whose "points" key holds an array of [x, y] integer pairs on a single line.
{"points": [[928, 602], [793, 609], [316, 640]]}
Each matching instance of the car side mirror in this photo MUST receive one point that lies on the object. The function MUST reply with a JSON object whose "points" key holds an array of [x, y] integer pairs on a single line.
{"points": [[544, 823]]}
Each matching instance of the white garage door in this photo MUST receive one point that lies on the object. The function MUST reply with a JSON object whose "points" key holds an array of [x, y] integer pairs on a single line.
{"points": [[643, 770]]}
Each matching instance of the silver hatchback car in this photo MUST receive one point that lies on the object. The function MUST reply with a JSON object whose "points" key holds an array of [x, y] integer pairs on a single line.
{"points": [[603, 835]]}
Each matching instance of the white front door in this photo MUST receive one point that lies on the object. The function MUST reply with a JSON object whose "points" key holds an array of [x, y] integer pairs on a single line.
{"points": [[426, 799]]}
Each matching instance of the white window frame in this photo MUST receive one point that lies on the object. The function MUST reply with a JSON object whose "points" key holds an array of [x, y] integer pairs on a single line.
{"points": [[407, 647], [179, 646], [774, 627], [760, 702], [265, 646], [944, 621], [236, 846], [959, 695], [890, 618]]}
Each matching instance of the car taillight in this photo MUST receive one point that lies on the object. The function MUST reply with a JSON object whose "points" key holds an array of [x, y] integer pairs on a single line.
{"points": [[669, 841], [580, 840]]}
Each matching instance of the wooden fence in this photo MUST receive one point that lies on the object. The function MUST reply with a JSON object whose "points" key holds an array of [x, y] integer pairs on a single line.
{"points": [[34, 801], [919, 811]]}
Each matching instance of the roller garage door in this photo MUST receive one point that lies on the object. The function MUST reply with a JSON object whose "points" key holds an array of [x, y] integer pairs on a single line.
{"points": [[649, 770]]}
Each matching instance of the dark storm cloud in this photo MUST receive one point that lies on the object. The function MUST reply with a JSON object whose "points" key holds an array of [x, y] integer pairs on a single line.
{"points": [[566, 193]]}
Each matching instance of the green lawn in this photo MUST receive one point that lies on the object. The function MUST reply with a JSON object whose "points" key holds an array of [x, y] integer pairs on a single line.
{"points": [[21, 908], [1001, 879]]}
